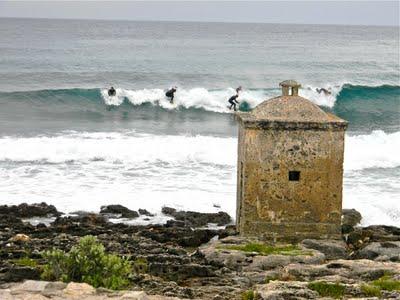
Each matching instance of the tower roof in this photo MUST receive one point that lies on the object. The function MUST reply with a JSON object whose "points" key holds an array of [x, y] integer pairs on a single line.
{"points": [[290, 111]]}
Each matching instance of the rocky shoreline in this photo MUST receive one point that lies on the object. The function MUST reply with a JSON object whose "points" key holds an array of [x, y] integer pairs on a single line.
{"points": [[185, 259]]}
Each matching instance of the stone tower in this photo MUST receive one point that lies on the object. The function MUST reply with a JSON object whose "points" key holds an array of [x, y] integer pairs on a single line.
{"points": [[290, 169]]}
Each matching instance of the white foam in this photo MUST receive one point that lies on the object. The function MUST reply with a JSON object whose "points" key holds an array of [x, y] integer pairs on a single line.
{"points": [[328, 100], [112, 147], [216, 101], [82, 171], [375, 150]]}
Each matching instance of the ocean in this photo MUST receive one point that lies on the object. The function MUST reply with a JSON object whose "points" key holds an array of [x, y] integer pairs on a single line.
{"points": [[65, 142]]}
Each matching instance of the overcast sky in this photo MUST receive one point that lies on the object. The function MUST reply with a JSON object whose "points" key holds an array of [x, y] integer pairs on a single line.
{"points": [[299, 12]]}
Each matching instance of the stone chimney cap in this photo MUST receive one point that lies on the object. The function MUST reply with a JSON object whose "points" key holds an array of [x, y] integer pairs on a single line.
{"points": [[290, 83]]}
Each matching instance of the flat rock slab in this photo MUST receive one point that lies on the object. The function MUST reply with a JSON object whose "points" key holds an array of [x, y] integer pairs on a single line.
{"points": [[45, 290], [221, 253]]}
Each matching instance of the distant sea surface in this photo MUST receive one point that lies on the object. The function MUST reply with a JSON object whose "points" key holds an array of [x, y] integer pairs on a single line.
{"points": [[65, 142]]}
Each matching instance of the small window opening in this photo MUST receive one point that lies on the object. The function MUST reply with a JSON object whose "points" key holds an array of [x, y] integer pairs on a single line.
{"points": [[294, 175]]}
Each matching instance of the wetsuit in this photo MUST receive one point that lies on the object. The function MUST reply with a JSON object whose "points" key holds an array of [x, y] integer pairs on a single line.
{"points": [[232, 100], [325, 91], [111, 92], [170, 94]]}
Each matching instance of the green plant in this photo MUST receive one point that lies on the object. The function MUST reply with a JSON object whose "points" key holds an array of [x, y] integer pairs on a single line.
{"points": [[140, 265], [249, 295], [25, 261], [371, 291], [325, 289], [387, 283], [290, 250], [87, 262]]}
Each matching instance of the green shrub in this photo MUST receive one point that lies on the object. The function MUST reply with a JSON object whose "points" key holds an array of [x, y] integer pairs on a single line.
{"points": [[87, 262], [371, 291], [325, 289], [291, 250], [249, 295], [387, 283]]}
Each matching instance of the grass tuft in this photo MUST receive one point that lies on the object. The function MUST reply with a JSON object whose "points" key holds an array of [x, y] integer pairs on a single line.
{"points": [[249, 295], [371, 291], [387, 283], [325, 289]]}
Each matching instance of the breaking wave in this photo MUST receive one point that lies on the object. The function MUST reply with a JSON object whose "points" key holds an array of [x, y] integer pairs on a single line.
{"points": [[364, 105]]}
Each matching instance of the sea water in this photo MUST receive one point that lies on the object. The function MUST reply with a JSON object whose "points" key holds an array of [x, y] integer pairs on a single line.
{"points": [[65, 142]]}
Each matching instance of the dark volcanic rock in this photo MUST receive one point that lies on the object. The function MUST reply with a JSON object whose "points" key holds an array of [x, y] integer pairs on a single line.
{"points": [[30, 210], [382, 251], [18, 273], [184, 237], [145, 212], [332, 249], [177, 272], [196, 219], [351, 217], [117, 210]]}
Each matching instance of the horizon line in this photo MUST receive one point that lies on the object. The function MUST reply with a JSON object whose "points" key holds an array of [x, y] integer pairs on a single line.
{"points": [[193, 21]]}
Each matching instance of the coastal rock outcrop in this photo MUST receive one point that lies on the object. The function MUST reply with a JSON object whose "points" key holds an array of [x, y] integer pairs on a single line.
{"points": [[25, 210], [196, 219], [179, 260], [118, 211], [332, 249]]}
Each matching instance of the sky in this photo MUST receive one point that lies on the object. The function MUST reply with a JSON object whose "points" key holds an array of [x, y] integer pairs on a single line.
{"points": [[383, 13]]}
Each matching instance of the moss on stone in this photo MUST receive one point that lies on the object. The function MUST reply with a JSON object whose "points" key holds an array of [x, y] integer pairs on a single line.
{"points": [[25, 261], [387, 283], [140, 265], [263, 249], [326, 289]]}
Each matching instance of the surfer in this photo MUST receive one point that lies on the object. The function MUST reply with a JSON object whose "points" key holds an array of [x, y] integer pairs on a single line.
{"points": [[233, 101], [170, 94], [323, 90], [238, 89], [112, 92]]}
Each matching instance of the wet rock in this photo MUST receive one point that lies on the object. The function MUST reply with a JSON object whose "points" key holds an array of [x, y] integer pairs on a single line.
{"points": [[330, 248], [351, 217], [196, 219], [175, 223], [117, 210], [89, 219], [25, 210], [144, 212], [184, 237], [383, 251], [382, 233]]}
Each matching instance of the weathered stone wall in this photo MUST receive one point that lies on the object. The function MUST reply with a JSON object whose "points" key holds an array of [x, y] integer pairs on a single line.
{"points": [[270, 205]]}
